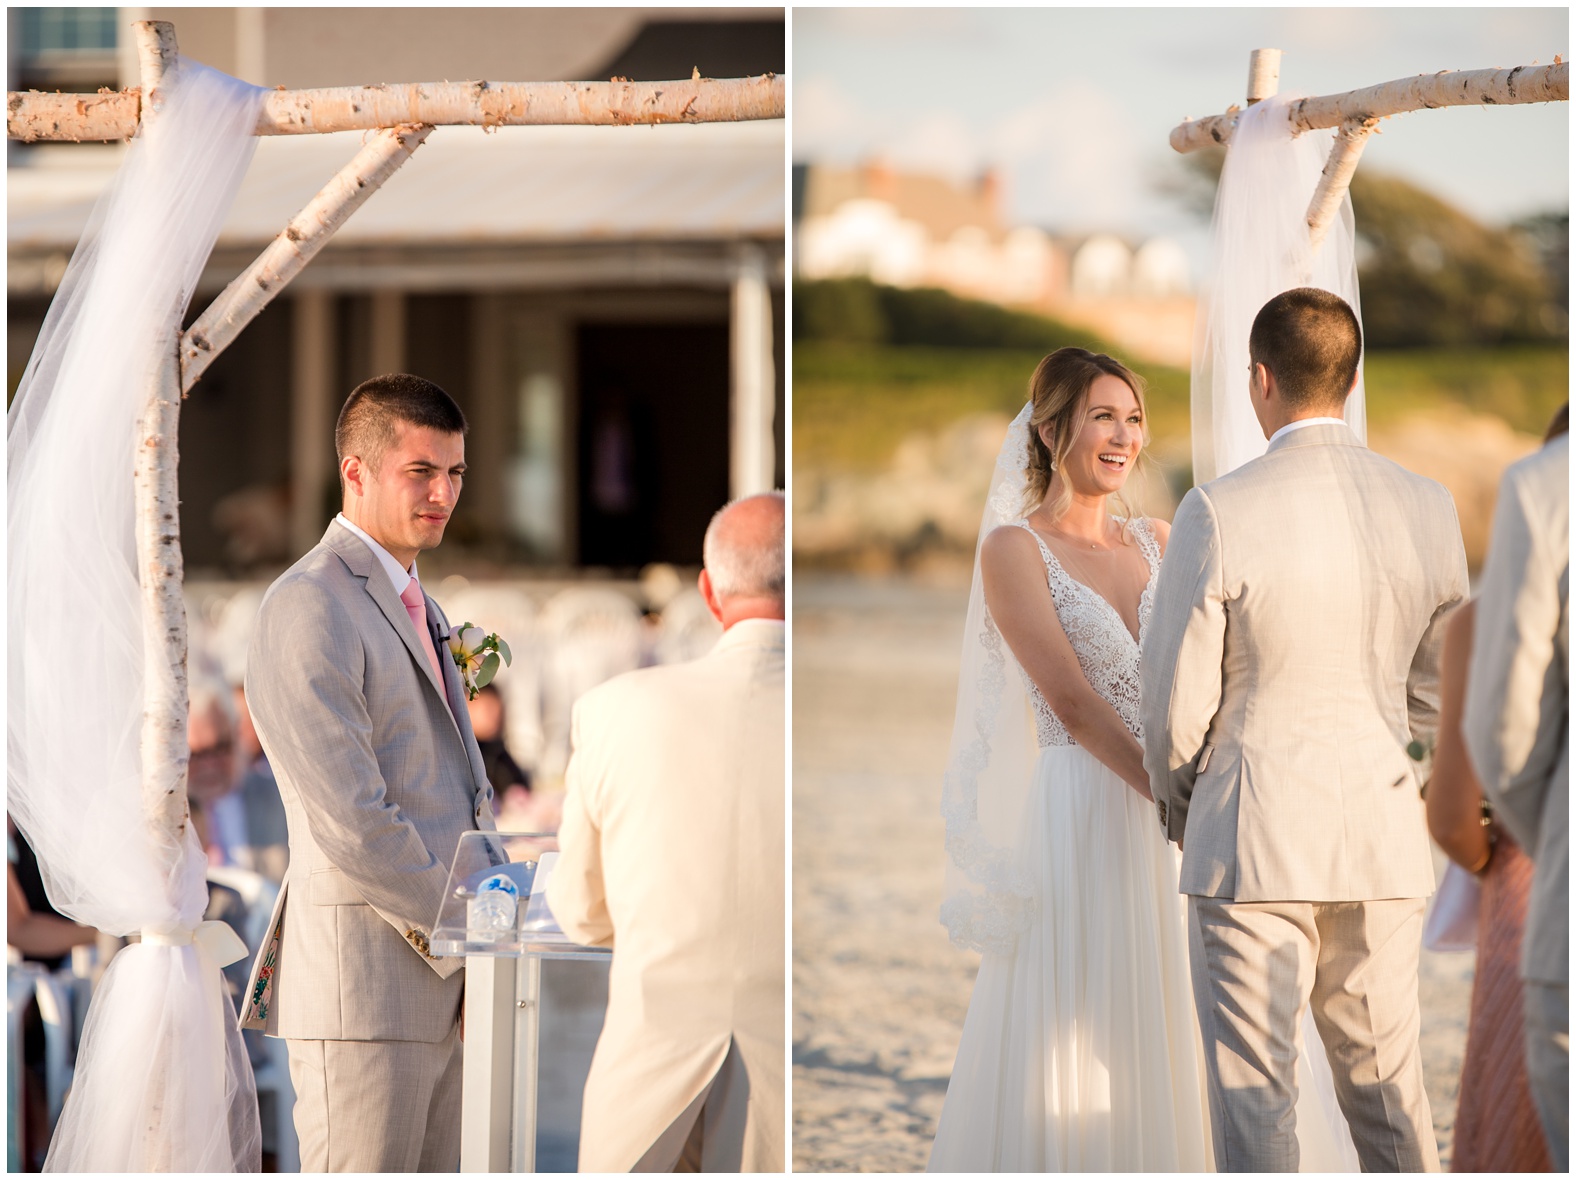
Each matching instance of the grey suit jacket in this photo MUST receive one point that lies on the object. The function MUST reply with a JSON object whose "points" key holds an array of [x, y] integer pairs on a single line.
{"points": [[1292, 654], [380, 774], [1517, 718]]}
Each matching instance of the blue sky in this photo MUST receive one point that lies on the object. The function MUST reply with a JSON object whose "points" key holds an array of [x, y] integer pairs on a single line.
{"points": [[1074, 104]]}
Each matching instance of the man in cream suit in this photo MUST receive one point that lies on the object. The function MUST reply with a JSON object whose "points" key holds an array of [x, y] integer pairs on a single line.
{"points": [[1291, 657], [362, 714], [673, 855], [1517, 728]]}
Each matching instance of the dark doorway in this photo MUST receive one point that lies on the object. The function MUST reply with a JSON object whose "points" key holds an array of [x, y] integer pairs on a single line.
{"points": [[653, 440]]}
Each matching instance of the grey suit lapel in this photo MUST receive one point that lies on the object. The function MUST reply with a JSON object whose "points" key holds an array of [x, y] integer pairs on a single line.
{"points": [[361, 562]]}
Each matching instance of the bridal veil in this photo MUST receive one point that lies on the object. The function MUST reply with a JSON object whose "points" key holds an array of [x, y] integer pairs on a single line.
{"points": [[162, 1080]]}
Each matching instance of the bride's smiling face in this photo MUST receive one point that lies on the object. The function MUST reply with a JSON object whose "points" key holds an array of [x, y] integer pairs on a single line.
{"points": [[1106, 448]]}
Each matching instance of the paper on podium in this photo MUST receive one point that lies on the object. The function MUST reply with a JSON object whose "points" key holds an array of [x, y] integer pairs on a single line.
{"points": [[538, 917]]}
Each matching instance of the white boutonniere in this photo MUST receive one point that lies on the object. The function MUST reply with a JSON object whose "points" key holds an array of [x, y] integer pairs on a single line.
{"points": [[478, 655]]}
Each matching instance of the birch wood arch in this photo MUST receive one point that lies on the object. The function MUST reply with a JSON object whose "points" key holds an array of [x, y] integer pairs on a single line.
{"points": [[1356, 113], [401, 116]]}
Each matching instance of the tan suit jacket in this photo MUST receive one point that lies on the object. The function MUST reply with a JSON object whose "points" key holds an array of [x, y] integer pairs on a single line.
{"points": [[673, 855], [379, 773], [1292, 654], [1517, 719]]}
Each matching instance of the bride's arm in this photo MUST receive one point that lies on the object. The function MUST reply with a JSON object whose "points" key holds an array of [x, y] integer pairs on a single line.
{"points": [[1013, 574]]}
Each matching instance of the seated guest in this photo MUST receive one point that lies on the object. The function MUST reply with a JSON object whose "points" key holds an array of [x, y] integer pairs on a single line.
{"points": [[33, 926], [1497, 1128], [487, 722], [672, 854], [213, 770], [267, 848]]}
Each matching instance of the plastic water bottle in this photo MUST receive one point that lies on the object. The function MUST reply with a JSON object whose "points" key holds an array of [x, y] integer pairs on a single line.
{"points": [[490, 914]]}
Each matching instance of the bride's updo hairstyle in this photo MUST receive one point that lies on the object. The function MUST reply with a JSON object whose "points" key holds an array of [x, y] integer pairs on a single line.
{"points": [[1059, 390]]}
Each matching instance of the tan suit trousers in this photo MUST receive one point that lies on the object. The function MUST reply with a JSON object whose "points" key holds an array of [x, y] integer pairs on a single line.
{"points": [[715, 1134], [1547, 1020], [1256, 966], [378, 1106]]}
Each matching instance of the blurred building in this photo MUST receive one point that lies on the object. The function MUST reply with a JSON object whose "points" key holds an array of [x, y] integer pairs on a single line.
{"points": [[910, 230], [591, 296]]}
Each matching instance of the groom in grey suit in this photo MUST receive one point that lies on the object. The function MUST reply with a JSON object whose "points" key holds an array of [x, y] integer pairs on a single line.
{"points": [[1292, 655], [364, 723]]}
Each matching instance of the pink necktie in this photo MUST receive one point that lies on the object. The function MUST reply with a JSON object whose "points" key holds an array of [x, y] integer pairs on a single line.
{"points": [[416, 606]]}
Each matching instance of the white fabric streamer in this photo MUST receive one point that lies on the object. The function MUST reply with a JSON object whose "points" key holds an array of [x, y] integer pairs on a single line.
{"points": [[162, 1080], [1259, 248]]}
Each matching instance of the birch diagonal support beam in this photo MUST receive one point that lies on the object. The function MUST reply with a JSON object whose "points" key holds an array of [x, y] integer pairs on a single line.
{"points": [[286, 256], [1524, 84], [32, 116]]}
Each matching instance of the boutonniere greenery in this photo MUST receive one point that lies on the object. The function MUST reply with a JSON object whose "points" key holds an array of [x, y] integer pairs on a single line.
{"points": [[478, 655]]}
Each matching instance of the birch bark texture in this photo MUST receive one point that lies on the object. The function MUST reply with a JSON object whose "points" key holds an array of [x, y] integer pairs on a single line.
{"points": [[160, 571], [32, 115], [1524, 84]]}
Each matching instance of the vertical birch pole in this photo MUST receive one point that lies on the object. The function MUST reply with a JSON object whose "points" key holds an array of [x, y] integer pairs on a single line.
{"points": [[1263, 74], [753, 461], [159, 566]]}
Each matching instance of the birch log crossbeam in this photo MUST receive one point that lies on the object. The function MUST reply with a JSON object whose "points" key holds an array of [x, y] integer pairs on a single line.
{"points": [[34, 115], [1524, 84]]}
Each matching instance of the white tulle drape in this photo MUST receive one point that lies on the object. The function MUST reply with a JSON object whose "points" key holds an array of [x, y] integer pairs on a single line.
{"points": [[162, 1081], [1259, 248]]}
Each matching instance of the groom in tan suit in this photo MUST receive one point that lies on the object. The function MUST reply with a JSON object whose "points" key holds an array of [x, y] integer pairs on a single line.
{"points": [[362, 715], [673, 855], [1292, 655]]}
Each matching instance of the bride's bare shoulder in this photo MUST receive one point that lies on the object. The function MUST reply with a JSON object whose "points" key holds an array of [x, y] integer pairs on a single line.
{"points": [[1162, 531], [1008, 549], [1006, 539]]}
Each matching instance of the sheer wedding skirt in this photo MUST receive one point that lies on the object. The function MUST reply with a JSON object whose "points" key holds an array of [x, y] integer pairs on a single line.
{"points": [[1081, 1051]]}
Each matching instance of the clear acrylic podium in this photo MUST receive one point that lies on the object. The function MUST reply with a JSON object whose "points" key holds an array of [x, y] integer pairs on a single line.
{"points": [[503, 994]]}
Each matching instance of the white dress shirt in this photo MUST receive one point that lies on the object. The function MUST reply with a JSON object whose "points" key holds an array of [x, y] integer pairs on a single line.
{"points": [[1286, 429], [398, 575]]}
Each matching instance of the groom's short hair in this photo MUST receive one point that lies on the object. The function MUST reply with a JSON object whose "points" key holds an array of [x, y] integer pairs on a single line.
{"points": [[1311, 341], [369, 420]]}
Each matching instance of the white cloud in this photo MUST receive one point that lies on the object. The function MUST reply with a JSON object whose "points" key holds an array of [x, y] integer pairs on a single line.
{"points": [[825, 119], [936, 142], [1069, 158]]}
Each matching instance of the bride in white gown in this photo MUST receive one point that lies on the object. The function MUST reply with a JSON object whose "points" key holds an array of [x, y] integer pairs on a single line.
{"points": [[1081, 1050]]}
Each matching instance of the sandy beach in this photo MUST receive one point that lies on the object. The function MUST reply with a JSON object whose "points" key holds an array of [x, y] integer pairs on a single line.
{"points": [[879, 993]]}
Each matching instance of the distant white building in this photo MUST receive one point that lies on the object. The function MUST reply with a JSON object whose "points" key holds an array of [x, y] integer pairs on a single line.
{"points": [[908, 230]]}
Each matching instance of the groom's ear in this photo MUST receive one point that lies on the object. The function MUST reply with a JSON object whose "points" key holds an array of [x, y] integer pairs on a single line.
{"points": [[1263, 382], [352, 475]]}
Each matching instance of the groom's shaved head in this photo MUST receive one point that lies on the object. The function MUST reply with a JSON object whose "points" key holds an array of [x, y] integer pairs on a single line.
{"points": [[1311, 341], [369, 421]]}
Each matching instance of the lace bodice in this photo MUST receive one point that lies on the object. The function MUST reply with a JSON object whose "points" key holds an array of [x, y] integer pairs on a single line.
{"points": [[1105, 648]]}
